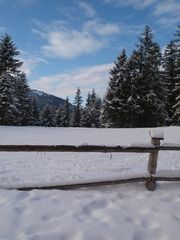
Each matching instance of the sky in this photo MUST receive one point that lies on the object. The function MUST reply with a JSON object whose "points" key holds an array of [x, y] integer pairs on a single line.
{"points": [[65, 44]]}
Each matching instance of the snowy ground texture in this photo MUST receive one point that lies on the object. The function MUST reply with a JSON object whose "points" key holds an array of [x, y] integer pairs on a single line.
{"points": [[126, 211]]}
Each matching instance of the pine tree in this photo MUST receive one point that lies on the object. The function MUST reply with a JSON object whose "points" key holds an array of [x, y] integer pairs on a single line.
{"points": [[35, 113], [7, 107], [9, 68], [152, 89], [92, 111], [63, 115], [77, 114], [8, 52], [58, 117], [176, 107], [25, 115], [86, 115], [66, 113], [95, 109], [136, 96], [114, 99], [47, 117], [131, 109], [169, 60]]}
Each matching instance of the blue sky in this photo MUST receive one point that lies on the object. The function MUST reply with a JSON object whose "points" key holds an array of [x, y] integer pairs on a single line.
{"points": [[66, 44]]}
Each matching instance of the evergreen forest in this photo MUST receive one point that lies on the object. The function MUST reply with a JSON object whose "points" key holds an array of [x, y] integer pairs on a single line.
{"points": [[143, 91]]}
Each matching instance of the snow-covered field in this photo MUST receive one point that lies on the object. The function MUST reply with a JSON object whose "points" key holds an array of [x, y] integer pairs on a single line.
{"points": [[124, 212]]}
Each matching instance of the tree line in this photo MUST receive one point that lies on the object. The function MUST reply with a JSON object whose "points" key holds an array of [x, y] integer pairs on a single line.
{"points": [[19, 108], [143, 91], [76, 116]]}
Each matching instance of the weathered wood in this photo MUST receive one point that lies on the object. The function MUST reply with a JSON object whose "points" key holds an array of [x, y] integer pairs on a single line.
{"points": [[153, 156], [103, 183], [151, 184], [84, 185], [85, 148], [72, 148], [168, 148], [167, 179], [152, 163]]}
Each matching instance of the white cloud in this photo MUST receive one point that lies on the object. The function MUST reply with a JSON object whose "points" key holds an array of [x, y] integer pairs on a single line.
{"points": [[168, 21], [65, 84], [70, 44], [139, 4], [30, 62], [29, 65], [132, 29], [167, 7], [66, 42], [167, 13], [88, 10], [102, 29]]}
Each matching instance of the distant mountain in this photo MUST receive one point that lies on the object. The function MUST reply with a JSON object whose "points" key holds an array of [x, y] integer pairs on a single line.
{"points": [[43, 99]]}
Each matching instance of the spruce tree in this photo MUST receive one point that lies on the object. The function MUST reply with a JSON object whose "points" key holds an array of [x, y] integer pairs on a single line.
{"points": [[77, 114], [25, 115], [114, 99], [63, 115], [95, 107], [131, 109], [47, 117], [8, 52], [35, 113], [58, 117], [9, 68], [86, 115], [7, 106], [176, 107], [152, 89], [169, 60], [66, 113], [92, 111], [136, 96]]}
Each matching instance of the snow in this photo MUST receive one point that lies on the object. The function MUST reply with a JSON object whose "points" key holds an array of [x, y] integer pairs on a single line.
{"points": [[40, 93], [170, 144], [126, 211], [140, 144], [168, 173], [75, 136], [157, 133]]}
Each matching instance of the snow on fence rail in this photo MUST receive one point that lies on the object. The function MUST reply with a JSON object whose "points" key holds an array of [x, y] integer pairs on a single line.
{"points": [[153, 150]]}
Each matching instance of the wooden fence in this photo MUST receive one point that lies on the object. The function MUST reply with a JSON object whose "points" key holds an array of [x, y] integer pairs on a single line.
{"points": [[153, 151]]}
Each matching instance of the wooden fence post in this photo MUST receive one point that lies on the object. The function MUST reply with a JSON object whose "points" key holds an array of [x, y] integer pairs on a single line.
{"points": [[153, 156], [152, 163]]}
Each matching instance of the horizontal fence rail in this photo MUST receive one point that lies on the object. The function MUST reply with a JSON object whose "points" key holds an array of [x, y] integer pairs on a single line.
{"points": [[85, 148], [152, 149], [103, 183]]}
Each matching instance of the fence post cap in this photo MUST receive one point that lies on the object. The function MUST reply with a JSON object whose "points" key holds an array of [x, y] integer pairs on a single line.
{"points": [[157, 134]]}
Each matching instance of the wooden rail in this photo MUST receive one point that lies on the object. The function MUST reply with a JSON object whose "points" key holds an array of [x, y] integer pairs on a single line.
{"points": [[85, 148], [152, 149], [147, 180]]}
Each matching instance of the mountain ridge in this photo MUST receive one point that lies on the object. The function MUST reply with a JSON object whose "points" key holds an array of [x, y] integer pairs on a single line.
{"points": [[44, 99]]}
